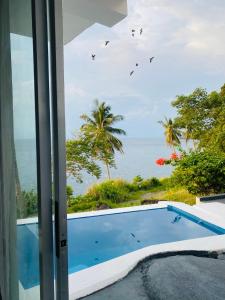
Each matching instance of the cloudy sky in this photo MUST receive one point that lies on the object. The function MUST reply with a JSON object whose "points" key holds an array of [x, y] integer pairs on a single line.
{"points": [[187, 39]]}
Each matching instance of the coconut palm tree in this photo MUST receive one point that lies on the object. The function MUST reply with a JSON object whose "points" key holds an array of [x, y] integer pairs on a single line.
{"points": [[172, 133], [187, 135], [98, 129]]}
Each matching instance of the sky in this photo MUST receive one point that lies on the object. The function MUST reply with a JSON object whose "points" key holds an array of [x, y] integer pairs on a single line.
{"points": [[187, 39]]}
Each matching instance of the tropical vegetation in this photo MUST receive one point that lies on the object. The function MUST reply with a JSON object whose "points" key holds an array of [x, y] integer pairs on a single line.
{"points": [[198, 168], [100, 133], [201, 120], [172, 133]]}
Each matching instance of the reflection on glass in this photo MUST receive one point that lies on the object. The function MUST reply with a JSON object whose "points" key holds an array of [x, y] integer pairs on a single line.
{"points": [[25, 149]]}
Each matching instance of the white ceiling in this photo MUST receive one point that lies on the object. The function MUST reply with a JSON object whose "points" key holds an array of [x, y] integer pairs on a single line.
{"points": [[78, 15]]}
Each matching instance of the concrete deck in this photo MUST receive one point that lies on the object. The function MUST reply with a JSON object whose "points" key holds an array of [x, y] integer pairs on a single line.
{"points": [[170, 278], [215, 208]]}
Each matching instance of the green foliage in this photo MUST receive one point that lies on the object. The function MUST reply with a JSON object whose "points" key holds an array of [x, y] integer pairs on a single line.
{"points": [[79, 157], [30, 201], [172, 132], [69, 194], [139, 183], [137, 179], [112, 194], [98, 130], [168, 183], [115, 190], [177, 194], [201, 172], [201, 118]]}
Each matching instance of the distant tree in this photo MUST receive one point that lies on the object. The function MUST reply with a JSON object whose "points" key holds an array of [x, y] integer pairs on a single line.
{"points": [[79, 157], [201, 172], [172, 133], [201, 118], [69, 194], [101, 135]]}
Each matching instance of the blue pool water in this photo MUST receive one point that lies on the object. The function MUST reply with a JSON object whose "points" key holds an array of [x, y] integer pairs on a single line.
{"points": [[93, 240]]}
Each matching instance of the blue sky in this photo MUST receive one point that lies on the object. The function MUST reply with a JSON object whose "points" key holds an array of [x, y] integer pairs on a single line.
{"points": [[187, 39]]}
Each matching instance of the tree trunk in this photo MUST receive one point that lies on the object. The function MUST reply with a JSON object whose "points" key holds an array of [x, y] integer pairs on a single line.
{"points": [[108, 172], [173, 148]]}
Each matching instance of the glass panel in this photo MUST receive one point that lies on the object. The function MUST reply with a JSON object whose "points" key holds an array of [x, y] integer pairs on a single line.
{"points": [[25, 148]]}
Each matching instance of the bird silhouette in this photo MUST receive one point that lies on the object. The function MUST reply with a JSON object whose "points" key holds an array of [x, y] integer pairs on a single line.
{"points": [[132, 34], [133, 235], [137, 65], [131, 73], [93, 56], [106, 43], [133, 30], [141, 30], [151, 59]]}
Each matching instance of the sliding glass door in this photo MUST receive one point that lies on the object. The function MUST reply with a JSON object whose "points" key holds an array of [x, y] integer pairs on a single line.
{"points": [[29, 197]]}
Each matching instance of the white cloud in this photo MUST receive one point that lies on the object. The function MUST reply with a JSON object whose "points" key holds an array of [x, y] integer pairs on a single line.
{"points": [[187, 39], [73, 90]]}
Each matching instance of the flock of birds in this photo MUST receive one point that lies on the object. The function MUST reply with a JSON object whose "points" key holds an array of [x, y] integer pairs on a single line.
{"points": [[133, 32]]}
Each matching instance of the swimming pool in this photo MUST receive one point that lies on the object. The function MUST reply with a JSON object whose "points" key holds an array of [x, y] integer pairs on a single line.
{"points": [[96, 239]]}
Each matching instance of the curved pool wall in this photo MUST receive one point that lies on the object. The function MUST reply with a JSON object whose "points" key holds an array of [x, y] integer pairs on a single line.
{"points": [[95, 239]]}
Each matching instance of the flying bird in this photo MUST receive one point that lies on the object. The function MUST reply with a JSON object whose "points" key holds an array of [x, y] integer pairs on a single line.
{"points": [[141, 30], [93, 56], [106, 43], [137, 65], [133, 30], [133, 235], [131, 73], [151, 59], [132, 34]]}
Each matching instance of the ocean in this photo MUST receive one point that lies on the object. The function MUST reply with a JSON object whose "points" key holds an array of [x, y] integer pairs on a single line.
{"points": [[138, 159]]}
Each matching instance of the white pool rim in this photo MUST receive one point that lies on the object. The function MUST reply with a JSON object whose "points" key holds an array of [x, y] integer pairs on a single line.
{"points": [[88, 281]]}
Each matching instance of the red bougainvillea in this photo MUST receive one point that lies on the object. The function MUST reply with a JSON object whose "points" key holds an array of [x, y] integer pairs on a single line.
{"points": [[174, 156], [172, 160], [160, 161]]}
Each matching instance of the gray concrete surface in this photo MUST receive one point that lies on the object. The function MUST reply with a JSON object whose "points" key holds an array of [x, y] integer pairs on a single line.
{"points": [[179, 277]]}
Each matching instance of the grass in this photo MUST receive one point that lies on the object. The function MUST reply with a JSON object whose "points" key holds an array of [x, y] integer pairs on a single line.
{"points": [[177, 195], [118, 194], [158, 193]]}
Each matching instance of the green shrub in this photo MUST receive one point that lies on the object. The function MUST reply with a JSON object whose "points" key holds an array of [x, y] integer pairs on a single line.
{"points": [[137, 179], [82, 206], [168, 182], [202, 173], [143, 184], [115, 190], [69, 194], [30, 201], [150, 183]]}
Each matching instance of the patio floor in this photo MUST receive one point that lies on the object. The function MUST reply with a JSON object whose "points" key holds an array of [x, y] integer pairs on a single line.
{"points": [[215, 208], [173, 277]]}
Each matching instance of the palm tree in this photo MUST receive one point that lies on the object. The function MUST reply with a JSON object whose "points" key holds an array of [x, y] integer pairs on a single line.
{"points": [[187, 135], [171, 132], [98, 129]]}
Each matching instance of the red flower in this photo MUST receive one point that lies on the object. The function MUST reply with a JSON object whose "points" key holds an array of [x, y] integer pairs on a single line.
{"points": [[160, 161], [174, 156]]}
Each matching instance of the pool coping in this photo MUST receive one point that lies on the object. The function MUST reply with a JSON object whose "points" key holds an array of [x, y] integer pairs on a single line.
{"points": [[88, 281]]}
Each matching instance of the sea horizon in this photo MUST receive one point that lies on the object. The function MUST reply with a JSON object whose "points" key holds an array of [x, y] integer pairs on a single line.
{"points": [[138, 158]]}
